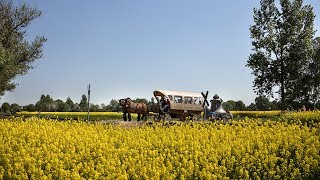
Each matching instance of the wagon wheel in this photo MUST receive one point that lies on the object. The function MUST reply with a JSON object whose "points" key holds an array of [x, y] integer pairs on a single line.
{"points": [[197, 117], [156, 118], [167, 117]]}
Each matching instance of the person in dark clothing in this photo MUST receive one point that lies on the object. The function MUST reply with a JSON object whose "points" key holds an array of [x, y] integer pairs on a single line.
{"points": [[215, 103], [164, 104]]}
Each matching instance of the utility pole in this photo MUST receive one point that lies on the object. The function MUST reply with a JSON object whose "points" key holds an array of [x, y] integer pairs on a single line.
{"points": [[89, 103]]}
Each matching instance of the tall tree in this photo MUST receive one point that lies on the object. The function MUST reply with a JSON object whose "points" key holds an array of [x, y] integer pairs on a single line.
{"points": [[229, 105], [46, 103], [113, 106], [94, 107], [16, 53], [282, 45], [84, 103], [29, 108], [262, 103], [239, 106], [62, 106], [5, 107], [252, 107], [274, 105], [71, 104], [14, 108], [314, 73], [103, 107]]}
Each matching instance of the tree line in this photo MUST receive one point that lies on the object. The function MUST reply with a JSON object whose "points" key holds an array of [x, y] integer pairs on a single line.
{"points": [[48, 104]]}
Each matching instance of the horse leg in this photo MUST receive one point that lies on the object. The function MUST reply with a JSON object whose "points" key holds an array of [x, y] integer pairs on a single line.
{"points": [[144, 117], [124, 116], [129, 116], [138, 117]]}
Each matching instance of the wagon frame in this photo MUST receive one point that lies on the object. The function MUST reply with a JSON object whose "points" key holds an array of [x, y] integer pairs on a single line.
{"points": [[182, 105]]}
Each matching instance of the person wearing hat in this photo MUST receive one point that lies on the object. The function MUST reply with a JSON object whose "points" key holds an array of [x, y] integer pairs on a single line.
{"points": [[215, 103]]}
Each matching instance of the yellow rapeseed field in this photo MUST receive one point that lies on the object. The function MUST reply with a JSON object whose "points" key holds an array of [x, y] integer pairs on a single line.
{"points": [[76, 115], [257, 114], [46, 149]]}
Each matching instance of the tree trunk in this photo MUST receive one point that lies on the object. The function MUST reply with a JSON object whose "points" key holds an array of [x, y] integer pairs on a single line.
{"points": [[282, 88]]}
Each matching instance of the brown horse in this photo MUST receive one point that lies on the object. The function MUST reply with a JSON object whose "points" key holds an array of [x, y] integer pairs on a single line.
{"points": [[123, 105], [139, 108]]}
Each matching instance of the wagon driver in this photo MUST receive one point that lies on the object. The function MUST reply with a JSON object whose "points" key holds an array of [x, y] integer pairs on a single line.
{"points": [[215, 103], [164, 104]]}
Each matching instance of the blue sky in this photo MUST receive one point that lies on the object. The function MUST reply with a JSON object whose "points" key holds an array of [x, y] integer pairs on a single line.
{"points": [[131, 48]]}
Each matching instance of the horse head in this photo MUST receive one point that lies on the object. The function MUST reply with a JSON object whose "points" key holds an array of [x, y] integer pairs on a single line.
{"points": [[122, 102], [128, 101]]}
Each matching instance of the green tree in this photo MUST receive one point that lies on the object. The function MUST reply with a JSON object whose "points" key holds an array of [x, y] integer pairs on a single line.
{"points": [[76, 108], [46, 103], [83, 103], [239, 106], [16, 53], [15, 108], [229, 105], [113, 106], [29, 107], [94, 108], [262, 103], [71, 104], [62, 106], [103, 107], [252, 107], [141, 100], [282, 45], [274, 105], [314, 74], [5, 107]]}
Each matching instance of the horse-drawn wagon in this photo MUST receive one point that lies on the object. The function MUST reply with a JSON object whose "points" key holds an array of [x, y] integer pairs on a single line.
{"points": [[177, 104]]}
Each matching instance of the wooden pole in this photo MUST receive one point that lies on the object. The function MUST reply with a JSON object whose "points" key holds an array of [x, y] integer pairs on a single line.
{"points": [[89, 103]]}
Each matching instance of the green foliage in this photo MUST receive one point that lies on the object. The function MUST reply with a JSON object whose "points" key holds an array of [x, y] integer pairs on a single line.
{"points": [[5, 107], [16, 53], [29, 107], [232, 105], [229, 105], [71, 104], [94, 108], [262, 103], [46, 103], [84, 103], [15, 108], [240, 106], [113, 106], [282, 45], [314, 73], [62, 106], [252, 107], [140, 100]]}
